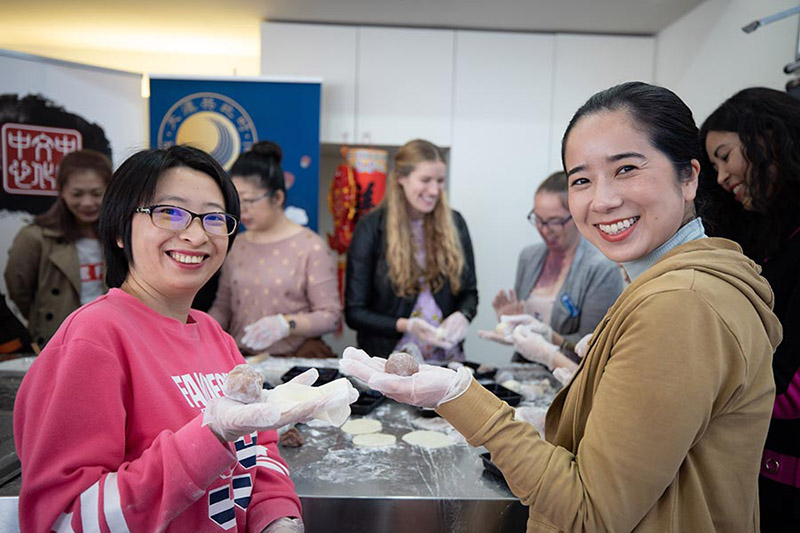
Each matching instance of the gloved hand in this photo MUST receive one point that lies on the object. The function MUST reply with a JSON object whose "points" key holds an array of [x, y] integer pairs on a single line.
{"points": [[285, 525], [455, 327], [533, 323], [533, 347], [427, 333], [583, 346], [293, 402], [265, 332], [564, 374], [430, 387], [506, 304]]}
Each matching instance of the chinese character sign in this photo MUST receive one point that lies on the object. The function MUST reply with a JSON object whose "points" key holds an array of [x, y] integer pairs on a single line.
{"points": [[31, 155]]}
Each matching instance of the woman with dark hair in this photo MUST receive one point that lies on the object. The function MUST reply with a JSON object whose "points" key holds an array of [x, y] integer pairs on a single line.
{"points": [[278, 289], [410, 268], [55, 265], [563, 288], [662, 425], [753, 146], [121, 423]]}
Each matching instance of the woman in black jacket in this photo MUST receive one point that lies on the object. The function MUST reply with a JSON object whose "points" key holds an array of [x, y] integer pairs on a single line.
{"points": [[410, 268]]}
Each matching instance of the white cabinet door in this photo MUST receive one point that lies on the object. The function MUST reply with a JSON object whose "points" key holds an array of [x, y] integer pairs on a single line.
{"points": [[318, 50], [586, 64], [405, 85], [501, 137]]}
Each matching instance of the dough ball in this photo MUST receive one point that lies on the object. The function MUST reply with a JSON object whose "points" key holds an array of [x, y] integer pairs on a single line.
{"points": [[428, 439], [362, 426], [374, 439], [243, 384], [291, 438], [402, 364], [504, 329]]}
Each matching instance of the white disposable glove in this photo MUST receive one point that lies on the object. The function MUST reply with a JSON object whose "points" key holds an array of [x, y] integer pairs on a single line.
{"points": [[290, 403], [428, 334], [430, 387], [265, 332], [533, 347], [534, 324], [506, 304], [455, 327], [564, 374], [285, 525], [583, 346]]}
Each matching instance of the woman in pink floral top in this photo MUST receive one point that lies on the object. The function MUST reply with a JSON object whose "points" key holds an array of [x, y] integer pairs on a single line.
{"points": [[278, 289]]}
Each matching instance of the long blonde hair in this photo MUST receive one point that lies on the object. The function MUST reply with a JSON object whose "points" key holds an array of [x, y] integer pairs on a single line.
{"points": [[444, 258]]}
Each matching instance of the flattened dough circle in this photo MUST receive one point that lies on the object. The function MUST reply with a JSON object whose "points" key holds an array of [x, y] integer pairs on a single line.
{"points": [[361, 426], [428, 439], [374, 439]]}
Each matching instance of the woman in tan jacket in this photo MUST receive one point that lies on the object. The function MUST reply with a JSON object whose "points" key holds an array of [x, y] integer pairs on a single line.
{"points": [[55, 264], [662, 426]]}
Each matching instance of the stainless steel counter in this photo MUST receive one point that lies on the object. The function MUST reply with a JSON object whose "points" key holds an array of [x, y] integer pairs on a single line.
{"points": [[401, 488], [398, 489]]}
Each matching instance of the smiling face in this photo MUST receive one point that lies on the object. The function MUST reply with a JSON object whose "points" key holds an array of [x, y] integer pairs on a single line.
{"points": [[83, 194], [624, 194], [259, 212], [423, 187], [547, 206], [171, 264], [726, 154]]}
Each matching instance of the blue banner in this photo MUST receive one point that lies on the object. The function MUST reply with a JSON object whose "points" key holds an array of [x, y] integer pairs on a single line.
{"points": [[227, 116]]}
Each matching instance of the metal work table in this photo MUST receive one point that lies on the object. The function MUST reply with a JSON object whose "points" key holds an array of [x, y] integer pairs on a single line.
{"points": [[401, 488], [347, 489]]}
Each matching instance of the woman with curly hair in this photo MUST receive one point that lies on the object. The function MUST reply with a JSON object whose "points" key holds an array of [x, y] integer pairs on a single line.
{"points": [[410, 268], [753, 146]]}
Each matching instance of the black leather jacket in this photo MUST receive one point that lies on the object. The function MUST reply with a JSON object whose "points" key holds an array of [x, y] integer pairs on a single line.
{"points": [[371, 305]]}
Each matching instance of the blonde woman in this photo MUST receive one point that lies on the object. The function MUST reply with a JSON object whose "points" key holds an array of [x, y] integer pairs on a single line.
{"points": [[410, 269]]}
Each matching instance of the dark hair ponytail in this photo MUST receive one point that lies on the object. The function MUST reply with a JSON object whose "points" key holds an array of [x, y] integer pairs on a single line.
{"points": [[262, 161]]}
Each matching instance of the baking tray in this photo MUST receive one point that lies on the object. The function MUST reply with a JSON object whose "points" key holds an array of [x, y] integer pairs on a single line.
{"points": [[367, 401], [488, 374], [507, 395], [326, 375]]}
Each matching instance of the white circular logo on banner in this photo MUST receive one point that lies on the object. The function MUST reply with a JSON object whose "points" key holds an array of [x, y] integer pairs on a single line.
{"points": [[212, 122]]}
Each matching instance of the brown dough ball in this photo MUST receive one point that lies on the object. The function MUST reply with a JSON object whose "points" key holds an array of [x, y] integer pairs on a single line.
{"points": [[402, 364], [243, 384], [291, 438]]}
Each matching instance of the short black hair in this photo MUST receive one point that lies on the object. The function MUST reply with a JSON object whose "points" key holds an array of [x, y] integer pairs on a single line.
{"points": [[134, 185], [263, 161]]}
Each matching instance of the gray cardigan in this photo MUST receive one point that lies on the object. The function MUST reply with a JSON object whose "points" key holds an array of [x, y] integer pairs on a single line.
{"points": [[590, 288]]}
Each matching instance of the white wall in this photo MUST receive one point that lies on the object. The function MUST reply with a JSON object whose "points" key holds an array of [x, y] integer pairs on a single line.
{"points": [[705, 57]]}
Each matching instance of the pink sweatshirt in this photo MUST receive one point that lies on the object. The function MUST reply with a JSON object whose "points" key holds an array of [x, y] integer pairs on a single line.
{"points": [[107, 425]]}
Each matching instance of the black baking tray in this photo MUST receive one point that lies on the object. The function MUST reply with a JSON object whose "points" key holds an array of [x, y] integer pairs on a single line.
{"points": [[490, 467], [326, 375], [488, 374], [507, 395], [367, 401]]}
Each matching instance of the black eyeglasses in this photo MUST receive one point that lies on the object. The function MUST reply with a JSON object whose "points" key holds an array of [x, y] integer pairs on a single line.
{"points": [[551, 223], [177, 218]]}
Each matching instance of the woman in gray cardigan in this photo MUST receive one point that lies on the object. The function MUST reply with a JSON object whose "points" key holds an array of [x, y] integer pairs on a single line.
{"points": [[564, 285]]}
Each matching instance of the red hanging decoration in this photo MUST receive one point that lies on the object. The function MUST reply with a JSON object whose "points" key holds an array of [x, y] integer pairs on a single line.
{"points": [[342, 203]]}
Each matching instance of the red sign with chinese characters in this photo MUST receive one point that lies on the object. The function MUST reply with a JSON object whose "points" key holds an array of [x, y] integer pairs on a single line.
{"points": [[31, 155]]}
